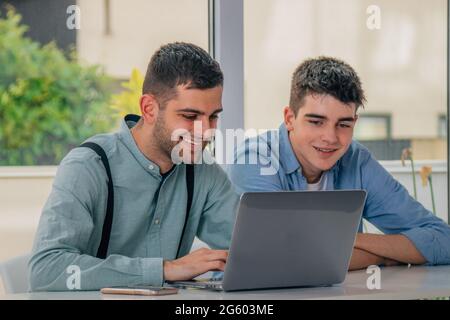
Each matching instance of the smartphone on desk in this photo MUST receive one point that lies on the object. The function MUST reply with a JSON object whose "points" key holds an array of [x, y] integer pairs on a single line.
{"points": [[140, 290]]}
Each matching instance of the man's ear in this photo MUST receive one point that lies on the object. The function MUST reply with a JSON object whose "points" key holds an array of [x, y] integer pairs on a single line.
{"points": [[289, 118], [149, 108]]}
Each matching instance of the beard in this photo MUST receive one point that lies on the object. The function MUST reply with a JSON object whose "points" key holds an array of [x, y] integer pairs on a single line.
{"points": [[162, 135]]}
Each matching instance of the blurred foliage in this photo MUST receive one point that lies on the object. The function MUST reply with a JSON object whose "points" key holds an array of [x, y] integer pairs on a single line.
{"points": [[128, 100], [49, 103]]}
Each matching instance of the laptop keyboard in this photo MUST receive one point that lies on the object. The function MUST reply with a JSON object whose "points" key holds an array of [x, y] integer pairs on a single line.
{"points": [[214, 282]]}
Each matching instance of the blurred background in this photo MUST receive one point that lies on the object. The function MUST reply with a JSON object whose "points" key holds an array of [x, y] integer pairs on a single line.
{"points": [[70, 69]]}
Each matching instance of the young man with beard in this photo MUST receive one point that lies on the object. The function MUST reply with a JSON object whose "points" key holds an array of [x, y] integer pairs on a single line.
{"points": [[313, 150], [154, 218]]}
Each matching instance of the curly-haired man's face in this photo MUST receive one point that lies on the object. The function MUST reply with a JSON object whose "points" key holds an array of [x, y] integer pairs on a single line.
{"points": [[321, 133]]}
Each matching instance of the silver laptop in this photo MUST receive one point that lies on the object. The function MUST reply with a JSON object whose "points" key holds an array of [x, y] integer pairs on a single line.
{"points": [[290, 239]]}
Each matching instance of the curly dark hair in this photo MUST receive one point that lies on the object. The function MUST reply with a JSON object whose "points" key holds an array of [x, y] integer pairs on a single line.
{"points": [[180, 63], [326, 75]]}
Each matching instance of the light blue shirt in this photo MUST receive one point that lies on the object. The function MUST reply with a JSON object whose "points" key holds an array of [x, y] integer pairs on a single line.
{"points": [[388, 206], [149, 214]]}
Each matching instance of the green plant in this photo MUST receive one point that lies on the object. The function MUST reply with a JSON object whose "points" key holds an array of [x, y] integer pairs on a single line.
{"points": [[128, 100], [49, 103]]}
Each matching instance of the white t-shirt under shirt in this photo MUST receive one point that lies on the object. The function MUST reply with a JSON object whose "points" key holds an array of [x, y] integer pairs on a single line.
{"points": [[321, 185]]}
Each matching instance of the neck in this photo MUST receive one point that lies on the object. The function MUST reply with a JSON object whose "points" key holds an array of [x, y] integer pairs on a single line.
{"points": [[149, 150], [312, 178]]}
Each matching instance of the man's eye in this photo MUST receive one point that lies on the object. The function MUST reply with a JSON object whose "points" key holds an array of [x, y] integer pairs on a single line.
{"points": [[344, 125], [214, 117], [189, 117], [315, 122]]}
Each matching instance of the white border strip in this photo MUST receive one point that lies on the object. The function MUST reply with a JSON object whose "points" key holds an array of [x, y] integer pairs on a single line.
{"points": [[28, 172]]}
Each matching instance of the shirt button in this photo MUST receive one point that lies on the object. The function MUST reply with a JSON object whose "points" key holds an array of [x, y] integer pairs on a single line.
{"points": [[157, 221], [151, 167]]}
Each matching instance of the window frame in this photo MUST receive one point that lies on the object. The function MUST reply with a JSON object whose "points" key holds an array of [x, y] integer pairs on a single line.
{"points": [[442, 126]]}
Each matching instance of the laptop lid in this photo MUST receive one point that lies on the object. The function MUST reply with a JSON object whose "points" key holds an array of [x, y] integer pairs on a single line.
{"points": [[293, 238]]}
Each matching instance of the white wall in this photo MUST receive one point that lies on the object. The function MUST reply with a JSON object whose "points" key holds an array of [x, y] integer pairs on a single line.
{"points": [[137, 29], [440, 187], [23, 192]]}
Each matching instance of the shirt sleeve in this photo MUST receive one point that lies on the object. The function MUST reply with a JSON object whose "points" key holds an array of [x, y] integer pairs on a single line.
{"points": [[391, 209], [219, 212], [254, 171], [65, 244]]}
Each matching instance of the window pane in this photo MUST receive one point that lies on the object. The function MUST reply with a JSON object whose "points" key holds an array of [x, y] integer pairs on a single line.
{"points": [[137, 29], [403, 64], [372, 128], [52, 100]]}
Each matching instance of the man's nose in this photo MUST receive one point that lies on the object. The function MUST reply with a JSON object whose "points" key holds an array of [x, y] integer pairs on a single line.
{"points": [[201, 129], [205, 124], [329, 135]]}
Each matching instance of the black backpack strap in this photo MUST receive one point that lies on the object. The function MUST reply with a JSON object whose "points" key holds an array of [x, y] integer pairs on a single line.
{"points": [[190, 193], [107, 223]]}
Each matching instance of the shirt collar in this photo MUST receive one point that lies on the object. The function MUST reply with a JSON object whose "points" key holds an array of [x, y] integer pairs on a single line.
{"points": [[128, 122], [287, 156]]}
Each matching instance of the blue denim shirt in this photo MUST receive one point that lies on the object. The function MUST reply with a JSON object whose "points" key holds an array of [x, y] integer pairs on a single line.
{"points": [[268, 163]]}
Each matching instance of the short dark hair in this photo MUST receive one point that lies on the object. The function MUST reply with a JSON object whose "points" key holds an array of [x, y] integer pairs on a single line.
{"points": [[325, 75], [180, 63]]}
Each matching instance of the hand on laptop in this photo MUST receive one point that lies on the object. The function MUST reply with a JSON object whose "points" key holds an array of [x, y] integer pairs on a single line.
{"points": [[194, 264]]}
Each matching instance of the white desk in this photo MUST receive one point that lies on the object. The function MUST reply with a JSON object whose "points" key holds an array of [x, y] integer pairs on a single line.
{"points": [[396, 283]]}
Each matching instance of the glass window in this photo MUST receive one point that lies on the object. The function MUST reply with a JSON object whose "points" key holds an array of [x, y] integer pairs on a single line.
{"points": [[399, 49], [71, 94], [122, 35]]}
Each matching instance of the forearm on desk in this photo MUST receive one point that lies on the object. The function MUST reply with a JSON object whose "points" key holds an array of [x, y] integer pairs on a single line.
{"points": [[362, 259], [394, 247]]}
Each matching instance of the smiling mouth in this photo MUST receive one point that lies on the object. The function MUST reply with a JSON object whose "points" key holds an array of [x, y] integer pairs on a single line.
{"points": [[195, 143], [325, 150]]}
